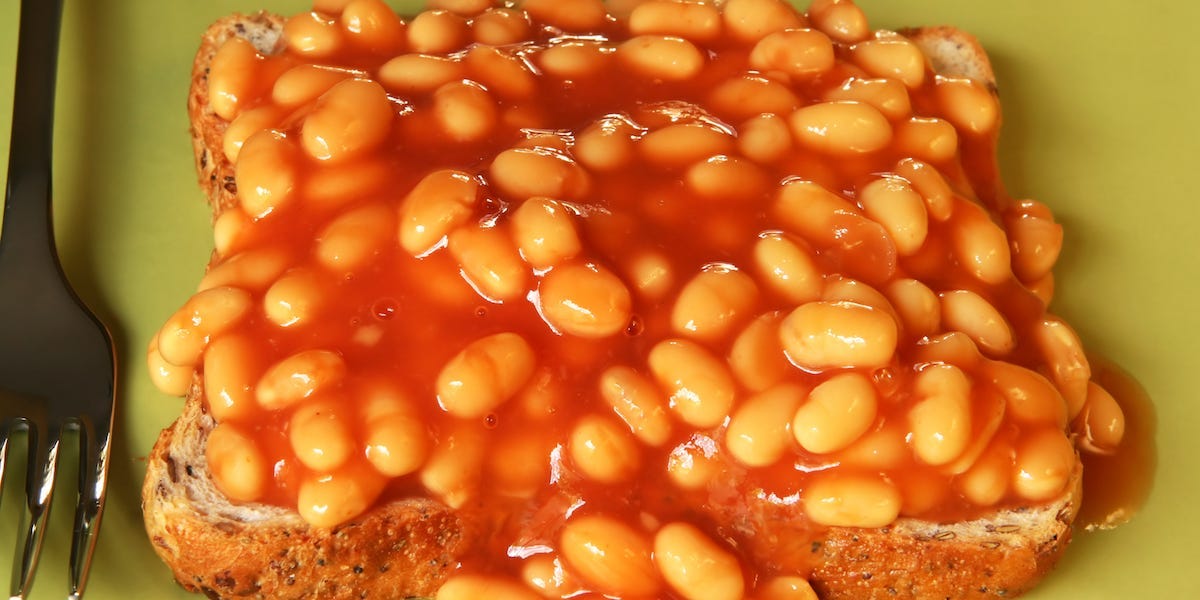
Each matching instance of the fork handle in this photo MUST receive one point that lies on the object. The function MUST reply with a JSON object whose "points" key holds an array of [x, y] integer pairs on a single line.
{"points": [[28, 228]]}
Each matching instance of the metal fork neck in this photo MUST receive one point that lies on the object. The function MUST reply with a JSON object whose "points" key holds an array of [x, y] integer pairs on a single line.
{"points": [[27, 222]]}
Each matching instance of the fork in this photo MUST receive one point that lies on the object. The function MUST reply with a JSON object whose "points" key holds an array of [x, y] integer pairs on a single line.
{"points": [[57, 361]]}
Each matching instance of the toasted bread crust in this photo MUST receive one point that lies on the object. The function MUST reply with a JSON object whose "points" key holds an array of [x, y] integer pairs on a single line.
{"points": [[406, 548]]}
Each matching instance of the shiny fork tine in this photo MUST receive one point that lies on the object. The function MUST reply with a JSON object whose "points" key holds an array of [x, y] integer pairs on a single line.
{"points": [[39, 489], [94, 446]]}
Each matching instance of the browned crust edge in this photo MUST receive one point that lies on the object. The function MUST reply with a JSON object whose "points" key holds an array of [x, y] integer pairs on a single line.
{"points": [[406, 549]]}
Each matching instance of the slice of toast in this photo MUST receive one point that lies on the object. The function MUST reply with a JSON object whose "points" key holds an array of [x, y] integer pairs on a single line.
{"points": [[406, 548]]}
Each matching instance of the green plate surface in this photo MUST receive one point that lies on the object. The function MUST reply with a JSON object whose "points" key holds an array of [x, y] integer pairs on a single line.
{"points": [[1100, 123]]}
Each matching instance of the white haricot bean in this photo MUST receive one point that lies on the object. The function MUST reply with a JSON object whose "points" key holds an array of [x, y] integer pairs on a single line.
{"points": [[602, 450], [972, 314], [638, 402], [1028, 396], [299, 376], [918, 307], [699, 386], [439, 203], [609, 555], [490, 262], [662, 57], [694, 463], [837, 412], [756, 357], [697, 22], [892, 57], [452, 471], [352, 239], [801, 53], [941, 418], [474, 586], [851, 500], [1069, 367], [713, 302], [789, 268], [1045, 462], [820, 335], [981, 245], [485, 374], [544, 231], [893, 203], [232, 366], [585, 300], [695, 566], [841, 128], [209, 313], [758, 434]]}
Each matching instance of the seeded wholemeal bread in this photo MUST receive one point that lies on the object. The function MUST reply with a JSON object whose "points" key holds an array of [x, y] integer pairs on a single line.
{"points": [[406, 548]]}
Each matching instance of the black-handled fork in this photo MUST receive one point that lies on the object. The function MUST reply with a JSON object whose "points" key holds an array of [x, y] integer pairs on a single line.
{"points": [[57, 363]]}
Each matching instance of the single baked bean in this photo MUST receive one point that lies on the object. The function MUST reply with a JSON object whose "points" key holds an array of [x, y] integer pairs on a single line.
{"points": [[747, 96], [764, 138], [941, 418], [332, 187], [787, 267], [504, 74], [205, 315], [229, 231], [892, 202], [329, 499], [1103, 421], [662, 57], [499, 26], [713, 302], [294, 299], [602, 450], [606, 145], [839, 288], [986, 482], [820, 335], [968, 104], [352, 119], [726, 179], [330, 7], [168, 378], [851, 500], [748, 21], [440, 202], [696, 22], [466, 8], [609, 556], [1036, 242], [568, 15], [841, 20], [584, 299], [683, 144], [304, 83], [299, 376], [238, 466], [544, 232], [651, 274], [352, 239], [543, 396], [438, 32], [371, 24], [574, 59], [246, 124], [952, 348], [694, 463], [889, 96], [233, 80], [758, 434], [265, 172], [880, 449], [232, 367], [695, 566], [917, 306], [841, 128], [464, 111], [800, 53], [1045, 461], [980, 244], [638, 402], [451, 472], [485, 374], [313, 35], [547, 575], [396, 443], [756, 357], [1069, 368], [521, 173], [699, 387], [837, 412], [1043, 288], [1029, 397], [472, 586], [419, 73], [891, 57], [972, 314], [251, 270], [785, 587], [320, 435], [926, 138], [927, 181]]}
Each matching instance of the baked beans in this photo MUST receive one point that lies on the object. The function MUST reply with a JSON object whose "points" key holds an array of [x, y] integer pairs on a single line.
{"points": [[608, 554]]}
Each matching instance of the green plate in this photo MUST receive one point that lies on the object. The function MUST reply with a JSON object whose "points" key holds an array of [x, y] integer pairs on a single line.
{"points": [[1100, 123]]}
